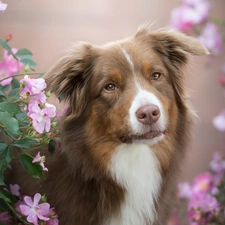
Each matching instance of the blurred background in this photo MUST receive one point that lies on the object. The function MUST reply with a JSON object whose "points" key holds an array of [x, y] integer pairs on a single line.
{"points": [[48, 27]]}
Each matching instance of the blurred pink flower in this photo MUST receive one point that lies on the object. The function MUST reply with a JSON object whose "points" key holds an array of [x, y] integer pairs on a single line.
{"points": [[2, 6], [9, 67], [184, 190], [217, 164], [211, 38], [14, 188], [41, 116], [202, 183], [6, 218], [219, 121], [53, 218], [40, 160], [35, 211], [202, 203], [32, 86], [189, 14], [39, 98]]}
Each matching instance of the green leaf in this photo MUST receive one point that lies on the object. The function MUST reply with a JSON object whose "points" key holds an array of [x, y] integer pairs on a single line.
{"points": [[5, 156], [15, 83], [25, 143], [5, 88], [7, 47], [2, 93], [4, 206], [24, 53], [33, 169], [10, 107], [3, 196], [10, 124], [1, 223], [29, 62], [2, 183], [14, 92]]}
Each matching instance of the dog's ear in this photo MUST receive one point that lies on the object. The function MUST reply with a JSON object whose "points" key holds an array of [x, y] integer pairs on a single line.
{"points": [[69, 76], [173, 45]]}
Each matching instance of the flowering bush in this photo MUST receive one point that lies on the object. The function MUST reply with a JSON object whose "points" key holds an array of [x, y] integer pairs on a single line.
{"points": [[27, 121], [203, 201]]}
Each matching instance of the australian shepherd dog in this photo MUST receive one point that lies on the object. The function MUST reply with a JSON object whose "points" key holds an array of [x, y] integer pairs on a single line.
{"points": [[125, 132]]}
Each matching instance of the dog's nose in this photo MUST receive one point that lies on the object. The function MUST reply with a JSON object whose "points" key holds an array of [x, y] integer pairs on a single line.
{"points": [[148, 114]]}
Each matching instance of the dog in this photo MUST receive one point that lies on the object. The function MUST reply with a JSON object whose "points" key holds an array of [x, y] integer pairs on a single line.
{"points": [[125, 133]]}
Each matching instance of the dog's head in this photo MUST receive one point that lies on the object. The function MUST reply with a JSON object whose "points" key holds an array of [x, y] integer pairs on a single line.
{"points": [[128, 90]]}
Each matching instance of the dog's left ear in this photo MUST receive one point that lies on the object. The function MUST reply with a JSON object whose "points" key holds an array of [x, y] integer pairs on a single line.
{"points": [[172, 45], [69, 77]]}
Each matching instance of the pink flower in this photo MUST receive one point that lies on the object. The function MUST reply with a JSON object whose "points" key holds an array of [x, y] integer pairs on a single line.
{"points": [[2, 6], [211, 38], [217, 164], [32, 86], [219, 121], [9, 67], [184, 189], [202, 183], [202, 203], [41, 116], [35, 211], [40, 159], [15, 189], [189, 14], [221, 80]]}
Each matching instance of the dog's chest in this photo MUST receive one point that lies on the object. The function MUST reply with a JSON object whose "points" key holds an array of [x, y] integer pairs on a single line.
{"points": [[135, 168]]}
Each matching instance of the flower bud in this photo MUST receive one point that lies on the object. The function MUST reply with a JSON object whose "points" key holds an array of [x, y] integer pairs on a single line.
{"points": [[26, 68], [48, 94], [43, 199], [54, 124], [8, 37], [221, 80]]}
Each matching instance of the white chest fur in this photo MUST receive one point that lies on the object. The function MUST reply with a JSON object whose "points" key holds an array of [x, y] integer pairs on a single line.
{"points": [[135, 168]]}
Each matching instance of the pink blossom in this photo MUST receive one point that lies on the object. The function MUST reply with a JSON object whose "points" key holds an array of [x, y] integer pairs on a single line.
{"points": [[40, 159], [41, 116], [184, 189], [189, 14], [9, 67], [15, 189], [219, 121], [202, 183], [217, 164], [211, 38], [2, 6], [35, 211], [202, 203], [32, 86]]}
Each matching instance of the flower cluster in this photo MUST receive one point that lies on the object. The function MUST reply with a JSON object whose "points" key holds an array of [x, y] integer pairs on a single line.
{"points": [[34, 210], [192, 17], [39, 110], [27, 122], [9, 67], [205, 196]]}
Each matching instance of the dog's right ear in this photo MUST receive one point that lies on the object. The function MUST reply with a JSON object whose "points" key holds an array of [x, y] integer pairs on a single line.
{"points": [[69, 76]]}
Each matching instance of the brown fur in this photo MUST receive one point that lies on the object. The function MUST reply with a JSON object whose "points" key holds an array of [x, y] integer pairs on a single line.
{"points": [[78, 183]]}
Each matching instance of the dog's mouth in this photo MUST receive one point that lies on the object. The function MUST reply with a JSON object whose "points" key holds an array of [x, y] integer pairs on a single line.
{"points": [[146, 136]]}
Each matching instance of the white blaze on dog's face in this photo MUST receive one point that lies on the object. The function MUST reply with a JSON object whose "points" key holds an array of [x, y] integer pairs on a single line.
{"points": [[146, 113]]}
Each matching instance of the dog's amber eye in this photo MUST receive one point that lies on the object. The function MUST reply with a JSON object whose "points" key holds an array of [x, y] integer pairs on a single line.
{"points": [[111, 87], [156, 76]]}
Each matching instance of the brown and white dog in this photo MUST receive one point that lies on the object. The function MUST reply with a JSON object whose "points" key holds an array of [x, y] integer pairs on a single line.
{"points": [[125, 133]]}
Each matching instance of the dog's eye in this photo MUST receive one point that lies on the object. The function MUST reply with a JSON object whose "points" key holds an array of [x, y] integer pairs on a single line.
{"points": [[156, 76], [111, 87]]}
